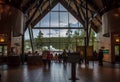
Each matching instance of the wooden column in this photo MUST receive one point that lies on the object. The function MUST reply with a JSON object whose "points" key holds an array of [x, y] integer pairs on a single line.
{"points": [[22, 54], [86, 30]]}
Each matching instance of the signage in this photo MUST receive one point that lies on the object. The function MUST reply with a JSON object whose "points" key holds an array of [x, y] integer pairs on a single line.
{"points": [[73, 57]]}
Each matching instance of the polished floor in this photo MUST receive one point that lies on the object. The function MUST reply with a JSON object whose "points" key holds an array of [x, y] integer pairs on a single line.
{"points": [[58, 72]]}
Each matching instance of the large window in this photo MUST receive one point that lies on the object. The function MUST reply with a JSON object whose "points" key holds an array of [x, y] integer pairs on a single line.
{"points": [[58, 17], [58, 30], [27, 42]]}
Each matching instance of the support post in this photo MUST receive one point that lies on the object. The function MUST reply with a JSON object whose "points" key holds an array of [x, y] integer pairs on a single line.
{"points": [[31, 38], [86, 30], [22, 54]]}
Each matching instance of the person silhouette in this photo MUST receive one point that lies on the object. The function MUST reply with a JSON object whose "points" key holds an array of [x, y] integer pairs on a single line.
{"points": [[0, 76], [100, 57]]}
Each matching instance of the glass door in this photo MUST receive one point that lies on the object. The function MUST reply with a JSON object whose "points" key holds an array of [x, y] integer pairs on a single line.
{"points": [[0, 50], [117, 50], [117, 53], [3, 50]]}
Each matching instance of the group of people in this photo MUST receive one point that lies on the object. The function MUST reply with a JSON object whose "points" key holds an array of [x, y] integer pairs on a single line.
{"points": [[61, 57], [47, 57], [33, 54]]}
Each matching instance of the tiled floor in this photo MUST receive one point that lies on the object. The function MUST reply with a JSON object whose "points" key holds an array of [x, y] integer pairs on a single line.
{"points": [[61, 73]]}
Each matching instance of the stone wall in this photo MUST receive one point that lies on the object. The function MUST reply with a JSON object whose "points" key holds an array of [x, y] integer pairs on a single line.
{"points": [[106, 43]]}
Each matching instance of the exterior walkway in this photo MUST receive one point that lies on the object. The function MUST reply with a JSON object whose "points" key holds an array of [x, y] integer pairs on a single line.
{"points": [[61, 73]]}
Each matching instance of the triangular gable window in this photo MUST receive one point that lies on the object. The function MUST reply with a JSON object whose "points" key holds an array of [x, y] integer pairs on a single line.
{"points": [[58, 17]]}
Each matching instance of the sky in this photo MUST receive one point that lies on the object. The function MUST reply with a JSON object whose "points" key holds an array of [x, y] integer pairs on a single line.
{"points": [[55, 19]]}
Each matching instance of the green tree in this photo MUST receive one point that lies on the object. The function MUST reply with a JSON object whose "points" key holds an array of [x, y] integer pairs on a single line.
{"points": [[79, 36], [69, 36], [39, 40]]}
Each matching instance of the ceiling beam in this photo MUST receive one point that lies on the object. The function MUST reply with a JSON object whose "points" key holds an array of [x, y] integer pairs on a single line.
{"points": [[109, 4], [41, 15], [83, 6], [105, 6], [92, 12], [95, 7], [32, 16], [74, 1], [95, 17], [82, 12], [69, 2], [27, 6], [72, 12], [93, 25]]}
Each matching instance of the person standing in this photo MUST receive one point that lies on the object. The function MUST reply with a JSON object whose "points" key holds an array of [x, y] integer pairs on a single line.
{"points": [[100, 57], [95, 54], [49, 58], [0, 76], [65, 56]]}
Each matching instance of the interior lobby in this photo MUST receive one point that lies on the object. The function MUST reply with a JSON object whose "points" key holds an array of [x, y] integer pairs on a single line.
{"points": [[59, 40]]}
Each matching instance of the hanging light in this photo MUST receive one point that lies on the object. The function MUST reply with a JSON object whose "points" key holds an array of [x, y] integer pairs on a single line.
{"points": [[117, 40], [2, 39]]}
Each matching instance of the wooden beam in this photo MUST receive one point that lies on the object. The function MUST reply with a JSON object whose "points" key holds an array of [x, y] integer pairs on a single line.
{"points": [[109, 4], [98, 20], [95, 7], [95, 17], [29, 20], [44, 12], [69, 2], [31, 38], [27, 6], [94, 27], [72, 12], [75, 3]]}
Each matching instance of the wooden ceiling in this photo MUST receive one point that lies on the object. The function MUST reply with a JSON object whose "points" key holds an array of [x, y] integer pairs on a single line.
{"points": [[35, 10]]}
